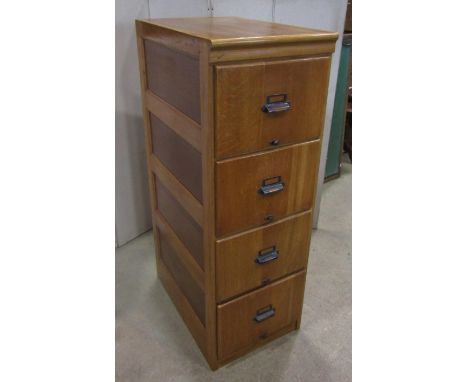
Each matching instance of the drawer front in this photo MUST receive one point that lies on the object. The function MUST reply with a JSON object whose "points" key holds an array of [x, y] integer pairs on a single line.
{"points": [[262, 188], [241, 94], [252, 318], [256, 258]]}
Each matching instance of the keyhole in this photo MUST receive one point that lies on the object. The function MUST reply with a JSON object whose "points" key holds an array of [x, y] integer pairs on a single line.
{"points": [[269, 218]]}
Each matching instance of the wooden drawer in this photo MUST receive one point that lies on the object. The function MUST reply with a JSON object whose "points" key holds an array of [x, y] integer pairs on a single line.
{"points": [[258, 257], [242, 90], [255, 317], [240, 204]]}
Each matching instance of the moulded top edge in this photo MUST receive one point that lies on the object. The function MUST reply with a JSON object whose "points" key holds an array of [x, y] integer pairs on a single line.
{"points": [[235, 31]]}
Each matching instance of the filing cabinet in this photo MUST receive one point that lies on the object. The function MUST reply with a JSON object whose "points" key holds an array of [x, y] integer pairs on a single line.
{"points": [[233, 114]]}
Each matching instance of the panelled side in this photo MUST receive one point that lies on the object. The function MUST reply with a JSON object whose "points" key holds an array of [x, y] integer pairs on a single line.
{"points": [[170, 86]]}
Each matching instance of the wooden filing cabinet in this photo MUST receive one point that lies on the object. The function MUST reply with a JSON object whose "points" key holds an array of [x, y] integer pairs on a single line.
{"points": [[233, 113]]}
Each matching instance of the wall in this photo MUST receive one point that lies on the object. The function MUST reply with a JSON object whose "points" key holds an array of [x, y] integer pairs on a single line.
{"points": [[132, 215], [132, 200]]}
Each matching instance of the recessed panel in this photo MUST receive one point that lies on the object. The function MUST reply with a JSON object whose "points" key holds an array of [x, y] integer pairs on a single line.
{"points": [[178, 156], [174, 77], [186, 229], [184, 280]]}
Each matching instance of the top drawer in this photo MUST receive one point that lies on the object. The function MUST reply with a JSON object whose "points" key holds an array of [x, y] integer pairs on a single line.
{"points": [[244, 124]]}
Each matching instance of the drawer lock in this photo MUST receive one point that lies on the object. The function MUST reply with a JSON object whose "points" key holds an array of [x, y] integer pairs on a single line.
{"points": [[267, 255], [271, 185], [269, 218], [276, 103], [265, 313]]}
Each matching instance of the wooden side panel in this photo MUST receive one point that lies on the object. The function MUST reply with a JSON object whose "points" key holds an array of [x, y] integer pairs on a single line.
{"points": [[242, 90], [240, 205], [170, 88], [207, 126], [237, 270], [184, 280], [178, 190], [148, 139], [181, 124], [237, 328], [181, 303], [185, 257], [186, 229], [174, 76], [170, 38], [178, 156]]}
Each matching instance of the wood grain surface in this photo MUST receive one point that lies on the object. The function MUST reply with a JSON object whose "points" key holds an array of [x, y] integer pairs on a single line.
{"points": [[183, 196], [242, 90], [184, 226], [239, 204], [173, 118], [236, 268], [173, 76], [223, 32], [237, 329], [178, 156], [203, 84], [186, 283]]}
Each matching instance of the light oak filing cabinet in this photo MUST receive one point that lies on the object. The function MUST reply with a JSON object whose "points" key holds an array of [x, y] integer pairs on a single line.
{"points": [[233, 113]]}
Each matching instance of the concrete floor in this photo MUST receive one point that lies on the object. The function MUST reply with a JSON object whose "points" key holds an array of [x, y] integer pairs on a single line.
{"points": [[153, 344]]}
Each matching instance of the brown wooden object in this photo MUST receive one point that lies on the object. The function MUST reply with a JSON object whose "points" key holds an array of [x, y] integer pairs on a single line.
{"points": [[233, 113]]}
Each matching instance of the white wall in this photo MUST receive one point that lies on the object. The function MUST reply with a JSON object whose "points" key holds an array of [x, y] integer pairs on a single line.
{"points": [[250, 9], [178, 8], [132, 215], [132, 199]]}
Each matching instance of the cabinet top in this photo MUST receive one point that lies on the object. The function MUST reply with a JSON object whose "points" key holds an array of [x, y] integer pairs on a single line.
{"points": [[234, 31]]}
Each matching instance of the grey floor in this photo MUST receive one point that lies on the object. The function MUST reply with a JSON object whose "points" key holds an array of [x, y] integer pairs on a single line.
{"points": [[152, 343]]}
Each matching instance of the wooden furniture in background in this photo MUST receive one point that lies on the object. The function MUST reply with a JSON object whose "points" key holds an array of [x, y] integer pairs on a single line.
{"points": [[347, 141], [233, 113], [340, 133], [348, 27], [340, 113]]}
